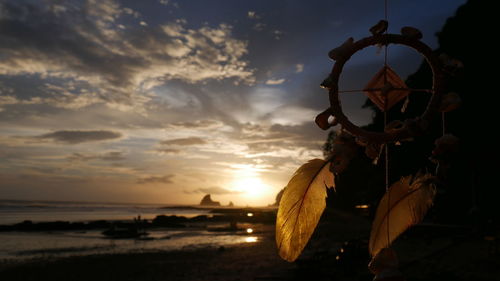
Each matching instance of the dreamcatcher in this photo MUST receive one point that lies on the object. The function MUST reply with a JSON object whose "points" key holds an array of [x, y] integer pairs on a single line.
{"points": [[406, 201]]}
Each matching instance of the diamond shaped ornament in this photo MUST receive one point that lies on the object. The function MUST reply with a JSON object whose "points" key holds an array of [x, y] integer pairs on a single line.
{"points": [[386, 88]]}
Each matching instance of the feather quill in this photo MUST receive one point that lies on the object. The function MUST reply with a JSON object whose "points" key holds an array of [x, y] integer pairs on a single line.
{"points": [[301, 206], [404, 205]]}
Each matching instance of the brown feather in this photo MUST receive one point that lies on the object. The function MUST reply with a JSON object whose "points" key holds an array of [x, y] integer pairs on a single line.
{"points": [[410, 198], [301, 207]]}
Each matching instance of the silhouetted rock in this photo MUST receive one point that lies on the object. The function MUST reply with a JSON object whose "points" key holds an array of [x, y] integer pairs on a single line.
{"points": [[207, 201], [231, 204], [169, 221], [98, 224], [199, 218]]}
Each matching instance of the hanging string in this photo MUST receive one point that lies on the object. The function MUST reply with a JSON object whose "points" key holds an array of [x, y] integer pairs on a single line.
{"points": [[386, 159], [387, 144], [443, 123], [387, 183], [385, 49]]}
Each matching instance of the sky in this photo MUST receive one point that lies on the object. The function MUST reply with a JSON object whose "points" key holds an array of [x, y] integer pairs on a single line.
{"points": [[164, 101]]}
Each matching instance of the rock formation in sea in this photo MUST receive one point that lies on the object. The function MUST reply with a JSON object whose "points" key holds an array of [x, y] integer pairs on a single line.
{"points": [[207, 201]]}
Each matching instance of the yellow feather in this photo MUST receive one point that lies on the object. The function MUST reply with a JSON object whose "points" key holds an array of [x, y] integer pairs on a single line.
{"points": [[410, 198], [301, 206]]}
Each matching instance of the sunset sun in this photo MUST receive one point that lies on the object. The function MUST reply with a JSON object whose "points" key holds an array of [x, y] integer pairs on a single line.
{"points": [[247, 181], [250, 186]]}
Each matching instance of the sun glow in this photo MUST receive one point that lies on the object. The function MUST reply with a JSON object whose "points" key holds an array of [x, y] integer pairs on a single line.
{"points": [[251, 239], [252, 187], [248, 182]]}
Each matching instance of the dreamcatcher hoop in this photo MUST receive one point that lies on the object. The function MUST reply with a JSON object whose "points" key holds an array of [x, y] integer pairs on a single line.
{"points": [[411, 127]]}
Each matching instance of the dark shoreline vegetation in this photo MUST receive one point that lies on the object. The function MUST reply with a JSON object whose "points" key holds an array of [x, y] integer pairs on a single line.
{"points": [[265, 215]]}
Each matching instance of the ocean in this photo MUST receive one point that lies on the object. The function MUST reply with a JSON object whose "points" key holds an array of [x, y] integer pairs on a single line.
{"points": [[16, 245], [15, 211]]}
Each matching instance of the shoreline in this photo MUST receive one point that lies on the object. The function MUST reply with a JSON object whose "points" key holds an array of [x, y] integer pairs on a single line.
{"points": [[21, 247], [215, 215], [63, 239], [237, 262]]}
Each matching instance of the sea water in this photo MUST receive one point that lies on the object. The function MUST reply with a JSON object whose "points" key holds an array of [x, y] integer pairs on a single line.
{"points": [[16, 211], [28, 245], [54, 244]]}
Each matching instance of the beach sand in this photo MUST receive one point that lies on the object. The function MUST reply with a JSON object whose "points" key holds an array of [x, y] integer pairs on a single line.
{"points": [[448, 255], [249, 261]]}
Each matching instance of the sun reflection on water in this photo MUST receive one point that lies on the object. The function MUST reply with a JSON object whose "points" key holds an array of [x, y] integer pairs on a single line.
{"points": [[364, 206], [251, 239], [249, 230]]}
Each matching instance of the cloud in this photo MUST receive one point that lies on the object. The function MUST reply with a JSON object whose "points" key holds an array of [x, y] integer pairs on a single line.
{"points": [[260, 133], [198, 124], [291, 115], [59, 99], [83, 42], [299, 68], [108, 156], [184, 141], [214, 190], [75, 137], [156, 179], [259, 26], [113, 156], [252, 15], [277, 34], [281, 141], [168, 151], [275, 81]]}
